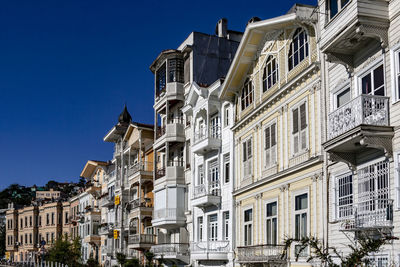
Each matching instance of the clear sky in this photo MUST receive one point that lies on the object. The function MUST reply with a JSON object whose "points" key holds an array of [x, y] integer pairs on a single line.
{"points": [[68, 66]]}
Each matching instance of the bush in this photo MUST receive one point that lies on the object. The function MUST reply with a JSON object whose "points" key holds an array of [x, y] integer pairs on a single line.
{"points": [[132, 263]]}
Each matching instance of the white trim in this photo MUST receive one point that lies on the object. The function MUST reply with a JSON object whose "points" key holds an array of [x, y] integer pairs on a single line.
{"points": [[263, 215], [273, 161], [396, 169], [294, 194], [394, 69], [368, 69], [297, 106]]}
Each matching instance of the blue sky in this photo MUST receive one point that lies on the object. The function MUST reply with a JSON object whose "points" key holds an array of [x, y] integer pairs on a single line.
{"points": [[67, 68]]}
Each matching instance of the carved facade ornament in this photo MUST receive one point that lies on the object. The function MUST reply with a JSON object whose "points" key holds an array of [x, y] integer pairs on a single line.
{"points": [[374, 31], [258, 196], [343, 59], [238, 203], [379, 142], [284, 187]]}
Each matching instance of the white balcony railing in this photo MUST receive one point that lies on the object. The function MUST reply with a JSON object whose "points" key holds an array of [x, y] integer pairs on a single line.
{"points": [[374, 213], [168, 214], [141, 238], [209, 246], [173, 249], [204, 132], [260, 253], [364, 109], [204, 190]]}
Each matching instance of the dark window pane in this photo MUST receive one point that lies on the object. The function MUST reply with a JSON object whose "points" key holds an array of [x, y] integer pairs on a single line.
{"points": [[295, 120], [366, 84], [379, 80], [343, 97], [271, 209], [333, 8], [273, 134], [301, 202], [303, 119]]}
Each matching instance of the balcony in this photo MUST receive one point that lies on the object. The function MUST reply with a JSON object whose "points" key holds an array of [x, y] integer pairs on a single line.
{"points": [[374, 214], [140, 171], [206, 195], [175, 252], [106, 202], [361, 124], [93, 189], [358, 23], [206, 140], [210, 250], [173, 173], [260, 254], [106, 229], [169, 218], [172, 91], [173, 131], [144, 241]]}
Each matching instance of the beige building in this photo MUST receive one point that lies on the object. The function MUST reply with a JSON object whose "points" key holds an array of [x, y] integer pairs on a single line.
{"points": [[12, 232], [50, 223], [51, 194]]}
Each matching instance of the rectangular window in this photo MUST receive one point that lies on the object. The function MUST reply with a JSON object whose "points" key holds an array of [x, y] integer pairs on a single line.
{"points": [[373, 83], [215, 131], [248, 227], [213, 227], [301, 210], [342, 97], [22, 223], [66, 218], [175, 70], [52, 218], [30, 239], [213, 178], [47, 219], [270, 145], [227, 167], [271, 223], [299, 133], [200, 228], [247, 94], [30, 221], [201, 175], [52, 238], [344, 196], [226, 225], [161, 79], [398, 73], [226, 116], [187, 70], [26, 221], [247, 158]]}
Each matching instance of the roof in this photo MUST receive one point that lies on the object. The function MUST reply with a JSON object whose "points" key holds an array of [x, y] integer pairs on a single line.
{"points": [[253, 38], [90, 167]]}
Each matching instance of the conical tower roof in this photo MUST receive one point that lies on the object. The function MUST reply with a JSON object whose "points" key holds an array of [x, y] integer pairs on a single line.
{"points": [[125, 117]]}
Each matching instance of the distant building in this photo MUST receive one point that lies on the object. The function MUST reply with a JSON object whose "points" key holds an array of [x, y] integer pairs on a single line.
{"points": [[50, 194]]}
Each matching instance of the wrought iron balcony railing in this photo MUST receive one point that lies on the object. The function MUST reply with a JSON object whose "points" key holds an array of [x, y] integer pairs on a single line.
{"points": [[209, 246], [172, 249], [140, 166], [205, 190], [141, 238], [364, 109], [211, 132], [260, 253]]}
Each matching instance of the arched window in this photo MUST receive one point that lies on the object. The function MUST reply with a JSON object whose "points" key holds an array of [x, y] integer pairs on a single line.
{"points": [[270, 74], [298, 48], [247, 94]]}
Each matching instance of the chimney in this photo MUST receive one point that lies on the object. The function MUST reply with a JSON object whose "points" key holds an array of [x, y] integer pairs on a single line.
{"points": [[222, 28]]}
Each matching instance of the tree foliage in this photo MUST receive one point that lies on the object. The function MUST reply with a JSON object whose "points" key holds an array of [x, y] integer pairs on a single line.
{"points": [[326, 255], [2, 240], [66, 252]]}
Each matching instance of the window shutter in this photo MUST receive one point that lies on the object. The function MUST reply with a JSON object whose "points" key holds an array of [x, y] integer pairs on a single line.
{"points": [[249, 147], [244, 152], [295, 120], [267, 138], [303, 116], [273, 134]]}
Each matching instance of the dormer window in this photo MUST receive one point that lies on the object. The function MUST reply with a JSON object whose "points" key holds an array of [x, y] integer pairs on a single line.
{"points": [[247, 94], [270, 74], [175, 70], [161, 78], [334, 6], [298, 50]]}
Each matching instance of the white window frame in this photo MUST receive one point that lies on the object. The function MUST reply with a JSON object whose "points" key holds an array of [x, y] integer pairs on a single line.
{"points": [[246, 226], [306, 45], [266, 218], [300, 132], [227, 171], [339, 8], [214, 186], [336, 191], [226, 220], [249, 160], [227, 112], [271, 59], [272, 150], [247, 97], [369, 69], [200, 228], [395, 72], [212, 226], [200, 171], [294, 195], [337, 92]]}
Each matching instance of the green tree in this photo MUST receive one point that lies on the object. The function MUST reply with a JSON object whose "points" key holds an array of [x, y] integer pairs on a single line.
{"points": [[149, 258], [91, 262], [358, 254], [121, 258], [66, 252], [132, 263]]}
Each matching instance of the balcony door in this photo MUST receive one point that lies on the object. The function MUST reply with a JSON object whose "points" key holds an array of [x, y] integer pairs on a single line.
{"points": [[213, 227], [214, 126], [214, 177]]}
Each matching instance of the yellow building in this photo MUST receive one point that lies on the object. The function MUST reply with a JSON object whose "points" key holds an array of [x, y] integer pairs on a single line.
{"points": [[274, 82]]}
